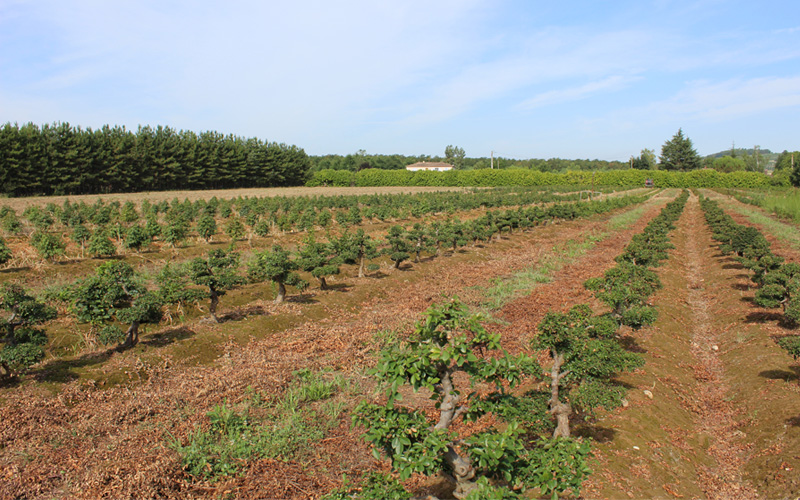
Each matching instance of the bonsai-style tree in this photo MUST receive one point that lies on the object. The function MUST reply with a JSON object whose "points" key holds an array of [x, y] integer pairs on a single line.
{"points": [[397, 245], [136, 238], [781, 288], [217, 272], [48, 245], [318, 259], [5, 252], [235, 229], [81, 236], [100, 245], [175, 231], [449, 353], [419, 240], [356, 248], [276, 265], [206, 227], [115, 293], [626, 288], [174, 286], [22, 341], [585, 355]]}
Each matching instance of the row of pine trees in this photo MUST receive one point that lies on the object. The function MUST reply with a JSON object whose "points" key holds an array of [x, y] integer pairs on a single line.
{"points": [[62, 159]]}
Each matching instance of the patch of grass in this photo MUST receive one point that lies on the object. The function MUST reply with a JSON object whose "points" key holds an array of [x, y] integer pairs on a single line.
{"points": [[286, 429], [788, 233], [504, 290], [626, 219]]}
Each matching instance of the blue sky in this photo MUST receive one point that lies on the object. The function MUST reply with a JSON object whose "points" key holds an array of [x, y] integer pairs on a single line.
{"points": [[526, 79]]}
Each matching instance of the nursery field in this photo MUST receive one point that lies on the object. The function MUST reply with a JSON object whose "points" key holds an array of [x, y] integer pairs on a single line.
{"points": [[636, 345]]}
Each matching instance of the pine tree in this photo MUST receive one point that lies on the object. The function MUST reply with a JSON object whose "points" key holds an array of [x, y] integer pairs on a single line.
{"points": [[679, 154]]}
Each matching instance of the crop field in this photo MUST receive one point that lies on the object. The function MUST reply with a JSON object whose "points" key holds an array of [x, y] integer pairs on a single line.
{"points": [[451, 343]]}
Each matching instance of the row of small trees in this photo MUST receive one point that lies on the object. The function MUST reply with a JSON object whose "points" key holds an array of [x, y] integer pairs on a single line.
{"points": [[92, 227], [117, 295], [450, 353], [778, 281]]}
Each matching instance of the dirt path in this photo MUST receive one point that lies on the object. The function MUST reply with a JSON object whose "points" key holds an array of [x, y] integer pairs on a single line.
{"points": [[716, 414]]}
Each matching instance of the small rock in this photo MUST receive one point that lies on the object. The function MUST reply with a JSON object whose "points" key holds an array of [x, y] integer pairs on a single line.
{"points": [[625, 403], [715, 348], [648, 393], [636, 448]]}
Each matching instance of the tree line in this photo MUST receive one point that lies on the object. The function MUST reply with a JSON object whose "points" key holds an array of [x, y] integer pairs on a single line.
{"points": [[62, 159]]}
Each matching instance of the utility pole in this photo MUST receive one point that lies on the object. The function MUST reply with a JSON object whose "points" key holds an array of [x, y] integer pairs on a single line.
{"points": [[492, 160], [755, 153]]}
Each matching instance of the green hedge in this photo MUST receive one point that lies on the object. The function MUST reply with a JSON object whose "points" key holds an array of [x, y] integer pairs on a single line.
{"points": [[705, 178]]}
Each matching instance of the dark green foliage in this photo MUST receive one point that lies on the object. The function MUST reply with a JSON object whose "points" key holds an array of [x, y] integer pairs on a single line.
{"points": [[319, 259], [115, 292], [398, 246], [355, 248], [276, 265], [206, 227], [5, 252], [679, 154], [375, 486], [48, 245], [100, 245], [176, 231], [449, 346], [22, 341], [791, 345], [217, 273], [61, 159], [779, 283], [136, 238], [626, 289], [234, 229]]}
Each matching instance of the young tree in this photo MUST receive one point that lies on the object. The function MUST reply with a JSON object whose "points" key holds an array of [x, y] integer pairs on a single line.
{"points": [[100, 245], [419, 240], [449, 354], [81, 236], [217, 272], [5, 252], [206, 227], [276, 265], [398, 245], [356, 248], [679, 154], [48, 245], [115, 293], [234, 229], [318, 259], [22, 341], [136, 238], [625, 288], [585, 356]]}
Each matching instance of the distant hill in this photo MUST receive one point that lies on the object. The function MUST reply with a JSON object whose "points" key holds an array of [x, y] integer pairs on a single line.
{"points": [[742, 152]]}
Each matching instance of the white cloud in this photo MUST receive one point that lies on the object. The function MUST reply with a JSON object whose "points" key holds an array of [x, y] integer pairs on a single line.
{"points": [[736, 98], [549, 98]]}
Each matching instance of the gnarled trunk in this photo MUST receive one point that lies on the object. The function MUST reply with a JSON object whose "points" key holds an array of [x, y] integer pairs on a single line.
{"points": [[212, 308], [131, 336], [281, 293], [361, 267], [323, 285], [561, 411]]}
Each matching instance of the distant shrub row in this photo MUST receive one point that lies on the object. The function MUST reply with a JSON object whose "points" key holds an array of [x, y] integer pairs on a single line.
{"points": [[705, 178]]}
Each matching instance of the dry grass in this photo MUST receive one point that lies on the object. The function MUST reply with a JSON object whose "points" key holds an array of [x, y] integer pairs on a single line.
{"points": [[20, 204]]}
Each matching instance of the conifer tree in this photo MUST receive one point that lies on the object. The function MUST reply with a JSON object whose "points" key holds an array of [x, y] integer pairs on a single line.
{"points": [[679, 154]]}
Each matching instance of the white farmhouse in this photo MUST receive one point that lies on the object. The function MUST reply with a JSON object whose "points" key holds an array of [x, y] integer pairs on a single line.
{"points": [[429, 166]]}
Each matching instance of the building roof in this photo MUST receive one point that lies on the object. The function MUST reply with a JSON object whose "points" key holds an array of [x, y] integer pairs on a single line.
{"points": [[429, 164]]}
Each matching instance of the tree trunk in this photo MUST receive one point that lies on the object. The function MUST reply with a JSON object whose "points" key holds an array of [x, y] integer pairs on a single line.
{"points": [[397, 264], [361, 267], [463, 472], [212, 308], [323, 285], [281, 293], [560, 410], [131, 336]]}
